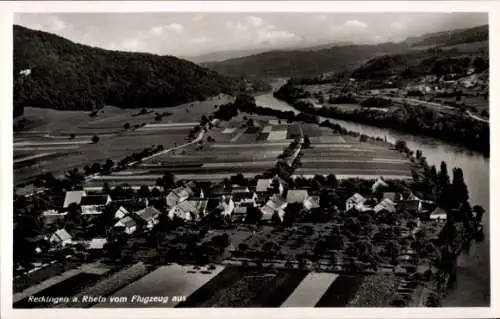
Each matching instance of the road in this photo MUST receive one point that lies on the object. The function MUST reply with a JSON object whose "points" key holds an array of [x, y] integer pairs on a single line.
{"points": [[477, 117]]}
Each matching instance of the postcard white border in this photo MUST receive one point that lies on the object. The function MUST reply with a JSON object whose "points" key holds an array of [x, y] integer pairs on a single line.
{"points": [[6, 19]]}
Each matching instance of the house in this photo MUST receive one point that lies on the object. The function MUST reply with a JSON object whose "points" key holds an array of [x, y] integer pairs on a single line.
{"points": [[73, 197], [227, 205], [438, 214], [385, 204], [97, 244], [189, 209], [61, 238], [128, 225], [354, 201], [394, 197], [311, 202], [275, 204], [52, 216], [149, 216], [296, 196], [121, 212], [244, 198], [182, 193], [378, 184], [94, 204]]}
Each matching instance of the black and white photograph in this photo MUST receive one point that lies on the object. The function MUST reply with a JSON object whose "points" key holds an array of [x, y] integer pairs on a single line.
{"points": [[252, 159]]}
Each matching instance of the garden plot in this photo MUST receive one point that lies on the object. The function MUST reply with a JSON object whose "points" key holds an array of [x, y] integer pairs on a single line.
{"points": [[341, 291], [310, 290]]}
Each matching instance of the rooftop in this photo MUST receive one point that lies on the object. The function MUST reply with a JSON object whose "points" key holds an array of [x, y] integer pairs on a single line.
{"points": [[73, 197], [92, 200]]}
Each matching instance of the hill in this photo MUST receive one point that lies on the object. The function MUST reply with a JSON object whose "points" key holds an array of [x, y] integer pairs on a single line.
{"points": [[302, 63], [70, 76]]}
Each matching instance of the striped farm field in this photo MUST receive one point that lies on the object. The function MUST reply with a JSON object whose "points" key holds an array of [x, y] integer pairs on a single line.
{"points": [[262, 287]]}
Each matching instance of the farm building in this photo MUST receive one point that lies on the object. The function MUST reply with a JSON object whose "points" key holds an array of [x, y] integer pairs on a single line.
{"points": [[94, 204], [385, 204], [149, 216], [73, 197], [276, 204], [296, 196], [354, 201], [127, 224], [182, 193], [61, 238], [189, 209]]}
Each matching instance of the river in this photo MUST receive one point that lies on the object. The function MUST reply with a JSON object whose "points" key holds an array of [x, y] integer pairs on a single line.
{"points": [[473, 282]]}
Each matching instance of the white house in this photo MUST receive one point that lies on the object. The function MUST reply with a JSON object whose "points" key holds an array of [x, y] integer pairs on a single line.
{"points": [[385, 204], [73, 197], [25, 72], [378, 183], [354, 201], [438, 214], [276, 204], [128, 224], [227, 205], [61, 238], [94, 204], [121, 212], [311, 202]]}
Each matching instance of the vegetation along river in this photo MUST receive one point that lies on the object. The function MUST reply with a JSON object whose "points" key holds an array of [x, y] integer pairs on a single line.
{"points": [[473, 282]]}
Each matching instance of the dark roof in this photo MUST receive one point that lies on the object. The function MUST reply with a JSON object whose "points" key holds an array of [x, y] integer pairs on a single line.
{"points": [[94, 200], [411, 204], [242, 195]]}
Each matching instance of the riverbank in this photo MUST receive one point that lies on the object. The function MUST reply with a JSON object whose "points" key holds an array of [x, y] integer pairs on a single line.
{"points": [[448, 127]]}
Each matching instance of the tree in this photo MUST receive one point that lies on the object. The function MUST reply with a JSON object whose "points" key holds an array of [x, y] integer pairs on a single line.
{"points": [[126, 126], [72, 136], [443, 177], [253, 216], [95, 139], [307, 141], [459, 185]]}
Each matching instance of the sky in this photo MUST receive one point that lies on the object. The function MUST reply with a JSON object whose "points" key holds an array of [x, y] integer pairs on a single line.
{"points": [[192, 34]]}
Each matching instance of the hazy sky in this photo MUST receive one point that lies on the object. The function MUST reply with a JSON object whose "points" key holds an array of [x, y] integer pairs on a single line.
{"points": [[190, 34]]}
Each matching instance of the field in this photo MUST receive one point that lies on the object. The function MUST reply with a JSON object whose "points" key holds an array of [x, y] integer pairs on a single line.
{"points": [[44, 144], [261, 287], [341, 155], [235, 148]]}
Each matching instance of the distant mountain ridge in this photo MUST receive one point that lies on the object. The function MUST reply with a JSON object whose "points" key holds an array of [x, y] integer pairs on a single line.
{"points": [[71, 76], [303, 63]]}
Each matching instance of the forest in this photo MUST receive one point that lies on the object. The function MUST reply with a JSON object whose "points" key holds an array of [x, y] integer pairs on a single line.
{"points": [[70, 76]]}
